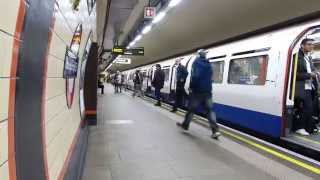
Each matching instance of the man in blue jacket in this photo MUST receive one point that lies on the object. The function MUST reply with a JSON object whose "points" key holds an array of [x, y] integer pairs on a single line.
{"points": [[201, 93]]}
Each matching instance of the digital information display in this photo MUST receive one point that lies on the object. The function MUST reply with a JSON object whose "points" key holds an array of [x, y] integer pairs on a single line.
{"points": [[137, 51]]}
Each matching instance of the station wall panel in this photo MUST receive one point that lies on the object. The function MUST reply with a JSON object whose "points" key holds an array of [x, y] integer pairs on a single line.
{"points": [[5, 54], [4, 171], [61, 124], [8, 15], [4, 142]]}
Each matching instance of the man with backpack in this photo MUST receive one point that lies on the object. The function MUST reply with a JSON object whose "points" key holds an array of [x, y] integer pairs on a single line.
{"points": [[137, 81], [201, 93]]}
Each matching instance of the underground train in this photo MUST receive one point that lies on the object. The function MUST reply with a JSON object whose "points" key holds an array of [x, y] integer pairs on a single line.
{"points": [[253, 78]]}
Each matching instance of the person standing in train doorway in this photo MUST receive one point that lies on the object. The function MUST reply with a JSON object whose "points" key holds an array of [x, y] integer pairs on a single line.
{"points": [[305, 89], [200, 92], [137, 81], [117, 80], [181, 76], [158, 83]]}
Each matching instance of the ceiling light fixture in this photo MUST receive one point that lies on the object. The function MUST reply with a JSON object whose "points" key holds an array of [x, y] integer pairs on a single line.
{"points": [[138, 38], [132, 43], [146, 29], [159, 17], [174, 3]]}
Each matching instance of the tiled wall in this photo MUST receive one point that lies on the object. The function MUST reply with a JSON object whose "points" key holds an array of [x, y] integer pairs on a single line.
{"points": [[8, 18], [61, 123]]}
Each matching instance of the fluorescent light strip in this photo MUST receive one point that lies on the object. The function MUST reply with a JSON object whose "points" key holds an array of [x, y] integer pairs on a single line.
{"points": [[174, 3], [146, 29], [138, 38], [159, 17]]}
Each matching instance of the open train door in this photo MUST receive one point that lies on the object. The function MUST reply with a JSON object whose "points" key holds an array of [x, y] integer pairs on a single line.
{"points": [[149, 79], [291, 89], [313, 33]]}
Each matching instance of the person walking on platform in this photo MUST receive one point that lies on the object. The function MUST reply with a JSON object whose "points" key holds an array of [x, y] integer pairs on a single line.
{"points": [[305, 88], [137, 81], [158, 82], [201, 93], [122, 83], [181, 76], [101, 86]]}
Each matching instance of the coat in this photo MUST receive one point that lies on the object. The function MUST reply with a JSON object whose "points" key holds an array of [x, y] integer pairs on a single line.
{"points": [[182, 74], [201, 76], [138, 78], [158, 79], [302, 75]]}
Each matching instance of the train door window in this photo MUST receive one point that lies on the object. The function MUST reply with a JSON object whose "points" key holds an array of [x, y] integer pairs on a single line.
{"points": [[248, 71], [166, 74], [131, 76], [144, 74], [151, 74], [218, 70], [316, 52]]}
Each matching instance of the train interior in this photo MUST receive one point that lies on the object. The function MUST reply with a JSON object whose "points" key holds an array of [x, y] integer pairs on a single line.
{"points": [[313, 140]]}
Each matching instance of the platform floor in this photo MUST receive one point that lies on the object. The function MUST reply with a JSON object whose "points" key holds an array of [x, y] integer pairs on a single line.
{"points": [[135, 140]]}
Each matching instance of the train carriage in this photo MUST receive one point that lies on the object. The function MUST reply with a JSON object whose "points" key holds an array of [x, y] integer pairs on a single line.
{"points": [[253, 79]]}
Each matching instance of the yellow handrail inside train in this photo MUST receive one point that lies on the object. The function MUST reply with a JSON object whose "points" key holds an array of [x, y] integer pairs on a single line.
{"points": [[294, 76]]}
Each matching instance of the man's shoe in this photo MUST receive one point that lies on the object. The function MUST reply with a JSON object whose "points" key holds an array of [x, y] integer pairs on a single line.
{"points": [[302, 132], [216, 135], [182, 126]]}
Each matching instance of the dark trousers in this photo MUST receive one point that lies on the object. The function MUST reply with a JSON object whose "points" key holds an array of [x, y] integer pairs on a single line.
{"points": [[117, 88], [180, 94], [305, 105], [137, 90], [102, 88], [157, 93], [205, 99]]}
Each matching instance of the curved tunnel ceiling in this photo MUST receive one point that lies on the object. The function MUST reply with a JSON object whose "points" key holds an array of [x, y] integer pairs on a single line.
{"points": [[195, 23]]}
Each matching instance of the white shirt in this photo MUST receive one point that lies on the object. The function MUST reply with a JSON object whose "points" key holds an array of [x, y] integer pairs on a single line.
{"points": [[308, 83]]}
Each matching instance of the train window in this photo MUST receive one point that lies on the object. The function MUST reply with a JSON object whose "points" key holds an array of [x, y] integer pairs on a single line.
{"points": [[166, 74], [218, 69], [316, 54], [248, 71], [150, 74], [131, 76], [144, 74]]}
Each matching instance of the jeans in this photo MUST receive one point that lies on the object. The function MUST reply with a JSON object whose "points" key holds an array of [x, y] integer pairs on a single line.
{"points": [[157, 93], [204, 99]]}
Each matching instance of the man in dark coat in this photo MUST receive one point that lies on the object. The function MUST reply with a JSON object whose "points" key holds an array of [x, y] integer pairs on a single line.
{"points": [[305, 89], [138, 81], [181, 76], [201, 93], [158, 83]]}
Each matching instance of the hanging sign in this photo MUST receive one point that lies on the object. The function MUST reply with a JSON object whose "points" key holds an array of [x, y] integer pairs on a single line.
{"points": [[149, 12]]}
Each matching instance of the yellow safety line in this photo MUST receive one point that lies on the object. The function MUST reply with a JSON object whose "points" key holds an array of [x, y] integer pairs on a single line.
{"points": [[270, 151], [277, 154]]}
